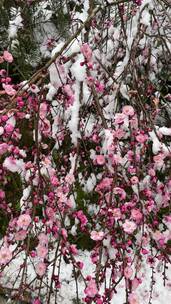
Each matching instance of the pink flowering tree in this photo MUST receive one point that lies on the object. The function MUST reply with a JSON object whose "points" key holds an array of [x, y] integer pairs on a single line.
{"points": [[85, 156]]}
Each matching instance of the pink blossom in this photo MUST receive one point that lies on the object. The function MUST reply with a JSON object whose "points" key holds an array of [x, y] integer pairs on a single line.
{"points": [[134, 180], [64, 233], [13, 164], [128, 110], [136, 215], [68, 90], [8, 56], [3, 148], [141, 138], [2, 194], [151, 172], [86, 51], [73, 249], [43, 239], [36, 301], [119, 118], [100, 159], [9, 89], [9, 128], [116, 213], [97, 235], [40, 268], [144, 251], [45, 127], [20, 235], [54, 181], [135, 283], [50, 213], [120, 191], [43, 110], [24, 221], [70, 178], [128, 272], [83, 219], [119, 133], [133, 299], [159, 158], [129, 226], [91, 289], [105, 184], [5, 255], [99, 87], [116, 159], [41, 251], [34, 89]]}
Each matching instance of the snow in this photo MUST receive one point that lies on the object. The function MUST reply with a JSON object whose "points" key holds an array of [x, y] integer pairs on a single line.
{"points": [[157, 145], [90, 183], [74, 115], [78, 72], [51, 92], [165, 131], [67, 292], [14, 165], [15, 24], [26, 193]]}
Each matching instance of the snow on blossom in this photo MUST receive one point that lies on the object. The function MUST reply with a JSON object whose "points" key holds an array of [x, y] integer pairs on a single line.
{"points": [[57, 74]]}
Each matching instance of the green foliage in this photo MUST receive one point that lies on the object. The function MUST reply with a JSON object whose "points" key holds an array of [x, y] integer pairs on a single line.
{"points": [[13, 190], [75, 301], [4, 22], [4, 220], [61, 21]]}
